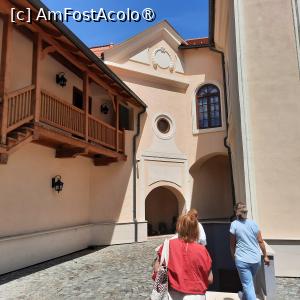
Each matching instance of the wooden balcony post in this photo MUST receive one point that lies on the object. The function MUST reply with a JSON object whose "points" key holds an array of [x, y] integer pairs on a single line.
{"points": [[86, 104], [4, 76], [123, 130], [117, 122], [36, 59]]}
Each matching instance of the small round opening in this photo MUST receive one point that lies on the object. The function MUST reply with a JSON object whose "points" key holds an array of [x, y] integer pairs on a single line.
{"points": [[163, 125]]}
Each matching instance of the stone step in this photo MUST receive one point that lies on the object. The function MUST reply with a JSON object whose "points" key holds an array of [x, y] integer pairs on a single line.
{"points": [[221, 296]]}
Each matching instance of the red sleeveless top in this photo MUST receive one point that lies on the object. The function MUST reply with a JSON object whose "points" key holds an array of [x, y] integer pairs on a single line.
{"points": [[188, 267]]}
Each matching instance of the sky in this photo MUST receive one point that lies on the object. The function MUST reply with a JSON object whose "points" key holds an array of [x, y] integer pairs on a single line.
{"points": [[188, 17]]}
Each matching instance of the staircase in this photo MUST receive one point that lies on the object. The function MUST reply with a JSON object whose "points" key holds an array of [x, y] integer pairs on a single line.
{"points": [[16, 139]]}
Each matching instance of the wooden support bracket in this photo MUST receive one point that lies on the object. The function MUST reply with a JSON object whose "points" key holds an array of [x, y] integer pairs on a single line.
{"points": [[104, 161], [47, 50], [63, 152], [3, 158]]}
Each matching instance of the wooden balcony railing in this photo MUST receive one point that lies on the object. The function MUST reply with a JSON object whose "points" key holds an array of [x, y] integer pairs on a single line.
{"points": [[61, 114], [102, 133], [69, 118], [19, 107], [121, 141]]}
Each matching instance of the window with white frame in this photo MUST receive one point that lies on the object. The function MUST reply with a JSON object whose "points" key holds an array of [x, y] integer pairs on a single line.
{"points": [[208, 107]]}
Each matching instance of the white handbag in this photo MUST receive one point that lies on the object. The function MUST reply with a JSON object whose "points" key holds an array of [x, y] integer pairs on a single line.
{"points": [[160, 286]]}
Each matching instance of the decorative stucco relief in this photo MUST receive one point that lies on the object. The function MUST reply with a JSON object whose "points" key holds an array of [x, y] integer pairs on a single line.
{"points": [[163, 59]]}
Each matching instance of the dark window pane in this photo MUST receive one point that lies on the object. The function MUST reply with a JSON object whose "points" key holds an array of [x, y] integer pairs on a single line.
{"points": [[208, 101], [123, 118]]}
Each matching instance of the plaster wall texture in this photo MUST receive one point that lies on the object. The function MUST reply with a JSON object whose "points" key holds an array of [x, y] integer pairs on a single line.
{"points": [[28, 202], [201, 66], [20, 64], [266, 77], [50, 67], [111, 189], [211, 196], [272, 77]]}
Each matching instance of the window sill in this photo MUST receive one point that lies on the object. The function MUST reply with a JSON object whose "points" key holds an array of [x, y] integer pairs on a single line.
{"points": [[208, 130]]}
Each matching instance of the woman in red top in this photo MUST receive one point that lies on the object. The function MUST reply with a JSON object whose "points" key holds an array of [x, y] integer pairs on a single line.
{"points": [[189, 266]]}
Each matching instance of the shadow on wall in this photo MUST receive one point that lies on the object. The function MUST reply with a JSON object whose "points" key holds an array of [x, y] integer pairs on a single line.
{"points": [[112, 193], [163, 205], [211, 194]]}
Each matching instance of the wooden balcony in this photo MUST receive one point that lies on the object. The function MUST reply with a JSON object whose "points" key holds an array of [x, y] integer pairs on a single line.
{"points": [[53, 122]]}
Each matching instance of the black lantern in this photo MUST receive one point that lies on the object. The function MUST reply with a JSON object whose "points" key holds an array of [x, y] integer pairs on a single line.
{"points": [[61, 79], [57, 184], [104, 108]]}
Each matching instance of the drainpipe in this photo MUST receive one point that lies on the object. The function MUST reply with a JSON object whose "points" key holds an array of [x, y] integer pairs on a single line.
{"points": [[212, 48], [134, 165]]}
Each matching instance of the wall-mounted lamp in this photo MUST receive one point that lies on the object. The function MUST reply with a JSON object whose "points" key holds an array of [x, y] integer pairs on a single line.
{"points": [[57, 184], [61, 79], [104, 108]]}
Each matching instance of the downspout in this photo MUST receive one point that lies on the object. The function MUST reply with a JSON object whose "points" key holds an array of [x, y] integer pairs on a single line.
{"points": [[213, 48], [134, 166]]}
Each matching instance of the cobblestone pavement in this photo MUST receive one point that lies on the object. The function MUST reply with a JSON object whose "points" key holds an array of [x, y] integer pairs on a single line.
{"points": [[288, 288], [114, 272]]}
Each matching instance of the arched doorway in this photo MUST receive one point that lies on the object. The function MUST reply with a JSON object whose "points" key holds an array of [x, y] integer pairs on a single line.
{"points": [[212, 189], [162, 205]]}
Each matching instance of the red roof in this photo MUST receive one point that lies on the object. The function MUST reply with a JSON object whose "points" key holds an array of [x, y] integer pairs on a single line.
{"points": [[98, 50], [198, 41]]}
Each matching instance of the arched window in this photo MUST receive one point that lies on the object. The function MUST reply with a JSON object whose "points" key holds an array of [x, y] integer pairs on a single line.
{"points": [[208, 107]]}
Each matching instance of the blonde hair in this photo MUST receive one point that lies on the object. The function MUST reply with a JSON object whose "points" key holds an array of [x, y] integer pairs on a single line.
{"points": [[187, 228]]}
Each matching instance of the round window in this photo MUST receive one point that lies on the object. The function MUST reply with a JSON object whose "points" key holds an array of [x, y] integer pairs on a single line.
{"points": [[163, 125]]}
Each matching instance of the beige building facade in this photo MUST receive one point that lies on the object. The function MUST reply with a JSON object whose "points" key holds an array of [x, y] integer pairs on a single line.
{"points": [[161, 126], [190, 162], [260, 43]]}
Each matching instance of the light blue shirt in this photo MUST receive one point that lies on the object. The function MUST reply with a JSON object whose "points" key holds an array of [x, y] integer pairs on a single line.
{"points": [[247, 247]]}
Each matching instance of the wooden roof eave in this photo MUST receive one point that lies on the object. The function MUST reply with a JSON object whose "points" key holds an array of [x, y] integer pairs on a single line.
{"points": [[59, 41]]}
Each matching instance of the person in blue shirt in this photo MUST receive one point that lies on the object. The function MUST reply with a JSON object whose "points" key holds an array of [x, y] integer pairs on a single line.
{"points": [[245, 245]]}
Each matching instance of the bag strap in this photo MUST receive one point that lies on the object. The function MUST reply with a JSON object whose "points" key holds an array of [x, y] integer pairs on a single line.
{"points": [[165, 253]]}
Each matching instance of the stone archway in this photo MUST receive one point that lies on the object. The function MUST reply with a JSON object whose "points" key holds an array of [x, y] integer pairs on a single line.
{"points": [[163, 205], [212, 188]]}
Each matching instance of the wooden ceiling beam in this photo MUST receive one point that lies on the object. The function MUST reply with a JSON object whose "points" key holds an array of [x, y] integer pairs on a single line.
{"points": [[51, 31], [66, 45]]}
